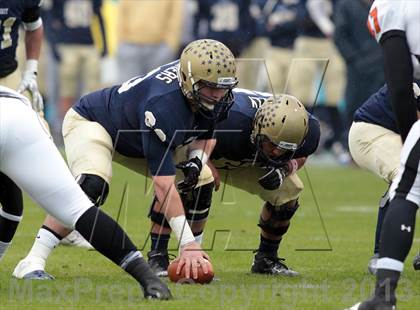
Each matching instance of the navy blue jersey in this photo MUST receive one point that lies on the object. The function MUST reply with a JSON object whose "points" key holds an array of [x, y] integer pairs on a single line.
{"points": [[69, 21], [282, 23], [378, 110], [153, 104], [233, 134], [12, 14], [228, 21]]}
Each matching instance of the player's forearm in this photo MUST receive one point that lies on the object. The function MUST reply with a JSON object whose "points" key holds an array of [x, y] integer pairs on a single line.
{"points": [[33, 42], [399, 77], [171, 203]]}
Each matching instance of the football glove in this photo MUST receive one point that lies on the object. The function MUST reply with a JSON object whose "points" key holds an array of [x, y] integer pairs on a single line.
{"points": [[273, 179], [191, 169], [29, 83]]}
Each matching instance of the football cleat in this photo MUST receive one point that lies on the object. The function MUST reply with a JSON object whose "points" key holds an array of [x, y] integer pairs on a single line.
{"points": [[372, 269], [31, 268], [271, 265], [373, 303], [156, 289], [416, 262], [76, 239], [159, 262]]}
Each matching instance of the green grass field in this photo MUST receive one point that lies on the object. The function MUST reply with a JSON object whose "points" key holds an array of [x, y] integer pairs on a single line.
{"points": [[331, 277]]}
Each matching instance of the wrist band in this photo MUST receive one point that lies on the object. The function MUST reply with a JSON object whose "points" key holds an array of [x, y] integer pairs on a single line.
{"points": [[181, 229], [200, 154]]}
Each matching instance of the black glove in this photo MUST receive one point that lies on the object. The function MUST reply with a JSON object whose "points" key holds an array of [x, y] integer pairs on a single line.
{"points": [[273, 179], [191, 169]]}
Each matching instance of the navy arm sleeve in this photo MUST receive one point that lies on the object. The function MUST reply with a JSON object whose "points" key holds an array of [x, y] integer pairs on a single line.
{"points": [[399, 78], [158, 154]]}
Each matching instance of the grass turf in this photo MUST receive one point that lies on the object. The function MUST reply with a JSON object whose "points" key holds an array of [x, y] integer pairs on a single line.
{"points": [[332, 261]]}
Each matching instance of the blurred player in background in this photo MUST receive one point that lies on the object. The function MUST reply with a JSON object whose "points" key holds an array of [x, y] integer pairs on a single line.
{"points": [[230, 22], [12, 15], [29, 157], [72, 27], [147, 117], [375, 144], [261, 145], [395, 25], [362, 55], [149, 34], [318, 73], [281, 28]]}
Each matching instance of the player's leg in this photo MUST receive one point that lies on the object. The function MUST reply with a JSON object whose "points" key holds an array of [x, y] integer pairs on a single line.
{"points": [[197, 206], [383, 207], [399, 224], [31, 160], [274, 223], [88, 151], [11, 212], [378, 150]]}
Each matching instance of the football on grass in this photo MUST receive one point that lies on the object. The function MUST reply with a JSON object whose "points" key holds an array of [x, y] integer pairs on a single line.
{"points": [[180, 278]]}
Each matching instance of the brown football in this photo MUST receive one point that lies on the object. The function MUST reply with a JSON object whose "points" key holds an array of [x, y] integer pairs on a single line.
{"points": [[180, 278]]}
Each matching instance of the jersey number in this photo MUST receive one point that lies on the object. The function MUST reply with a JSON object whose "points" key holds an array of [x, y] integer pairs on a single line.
{"points": [[373, 14], [7, 29]]}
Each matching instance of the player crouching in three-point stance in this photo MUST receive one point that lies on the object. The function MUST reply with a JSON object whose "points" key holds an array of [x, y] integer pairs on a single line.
{"points": [[30, 159], [261, 144], [395, 25], [146, 118]]}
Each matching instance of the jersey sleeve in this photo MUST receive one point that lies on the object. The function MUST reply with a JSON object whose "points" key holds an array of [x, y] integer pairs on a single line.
{"points": [[385, 16], [159, 140], [31, 16], [157, 153], [311, 140]]}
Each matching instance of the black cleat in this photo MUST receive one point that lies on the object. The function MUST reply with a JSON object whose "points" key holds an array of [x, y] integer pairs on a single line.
{"points": [[159, 262], [374, 303], [416, 262], [156, 289], [271, 265]]}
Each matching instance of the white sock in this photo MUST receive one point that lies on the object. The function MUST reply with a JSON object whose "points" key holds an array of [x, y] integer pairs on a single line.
{"points": [[44, 243], [3, 248], [199, 238]]}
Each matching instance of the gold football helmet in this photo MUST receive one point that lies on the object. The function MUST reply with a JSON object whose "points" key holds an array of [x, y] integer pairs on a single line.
{"points": [[283, 121], [208, 63]]}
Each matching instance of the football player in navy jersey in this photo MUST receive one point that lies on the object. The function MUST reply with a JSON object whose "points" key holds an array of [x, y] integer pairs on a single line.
{"points": [[147, 117], [375, 145], [12, 15], [262, 144], [395, 26]]}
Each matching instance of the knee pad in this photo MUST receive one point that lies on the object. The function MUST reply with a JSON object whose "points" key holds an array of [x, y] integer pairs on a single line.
{"points": [[278, 214], [10, 196], [157, 217], [197, 203], [95, 188]]}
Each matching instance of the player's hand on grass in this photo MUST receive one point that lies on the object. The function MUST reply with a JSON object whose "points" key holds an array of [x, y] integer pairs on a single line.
{"points": [[192, 257], [191, 169]]}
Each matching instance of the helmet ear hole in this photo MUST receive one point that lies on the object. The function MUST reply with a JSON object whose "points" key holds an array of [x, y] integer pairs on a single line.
{"points": [[184, 77]]}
